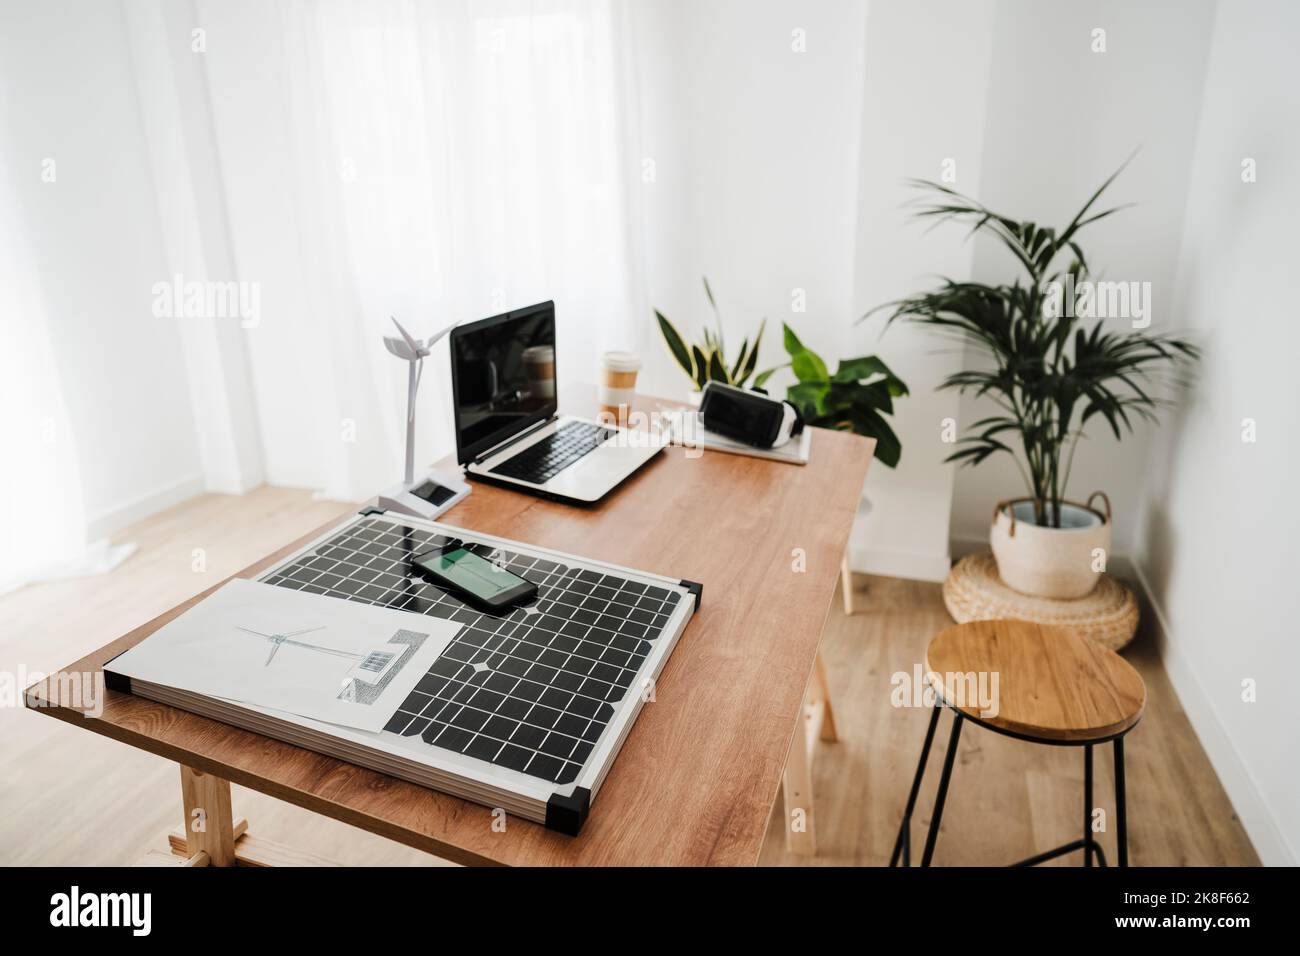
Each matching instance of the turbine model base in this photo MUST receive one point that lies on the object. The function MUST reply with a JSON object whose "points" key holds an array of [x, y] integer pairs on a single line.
{"points": [[426, 497]]}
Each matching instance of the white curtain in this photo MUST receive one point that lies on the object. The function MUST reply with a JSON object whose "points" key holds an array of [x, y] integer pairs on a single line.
{"points": [[433, 161], [42, 514]]}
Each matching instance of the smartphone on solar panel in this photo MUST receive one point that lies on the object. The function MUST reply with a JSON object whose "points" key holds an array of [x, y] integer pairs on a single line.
{"points": [[474, 579]]}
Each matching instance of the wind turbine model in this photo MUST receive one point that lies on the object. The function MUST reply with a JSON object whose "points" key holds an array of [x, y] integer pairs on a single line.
{"points": [[431, 494]]}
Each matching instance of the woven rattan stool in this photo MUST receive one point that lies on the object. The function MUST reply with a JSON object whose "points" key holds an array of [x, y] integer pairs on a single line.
{"points": [[1054, 687]]}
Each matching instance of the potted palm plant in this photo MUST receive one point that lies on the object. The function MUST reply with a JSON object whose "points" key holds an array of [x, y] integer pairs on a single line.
{"points": [[1051, 375]]}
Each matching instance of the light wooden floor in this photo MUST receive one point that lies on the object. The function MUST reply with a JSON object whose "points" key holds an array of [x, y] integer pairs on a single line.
{"points": [[71, 797], [1008, 799]]}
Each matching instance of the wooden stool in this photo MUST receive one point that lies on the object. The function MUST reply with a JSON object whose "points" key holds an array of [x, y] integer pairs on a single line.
{"points": [[1052, 687]]}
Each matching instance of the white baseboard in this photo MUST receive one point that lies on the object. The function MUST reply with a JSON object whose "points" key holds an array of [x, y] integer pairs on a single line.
{"points": [[108, 523], [899, 564], [961, 547], [1243, 792]]}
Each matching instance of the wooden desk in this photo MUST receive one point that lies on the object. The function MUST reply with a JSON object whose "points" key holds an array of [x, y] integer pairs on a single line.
{"points": [[696, 779]]}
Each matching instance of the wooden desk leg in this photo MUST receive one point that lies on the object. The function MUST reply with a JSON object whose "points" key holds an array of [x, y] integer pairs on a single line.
{"points": [[817, 721], [800, 835], [209, 822], [210, 836], [820, 682], [846, 584]]}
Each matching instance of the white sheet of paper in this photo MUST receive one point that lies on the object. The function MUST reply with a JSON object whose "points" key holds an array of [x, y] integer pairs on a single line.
{"points": [[321, 657]]}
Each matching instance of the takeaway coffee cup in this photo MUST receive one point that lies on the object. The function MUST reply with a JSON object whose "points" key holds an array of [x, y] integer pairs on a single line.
{"points": [[618, 383], [539, 366]]}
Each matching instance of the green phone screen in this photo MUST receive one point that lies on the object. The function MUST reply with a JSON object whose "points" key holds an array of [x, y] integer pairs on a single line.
{"points": [[467, 570]]}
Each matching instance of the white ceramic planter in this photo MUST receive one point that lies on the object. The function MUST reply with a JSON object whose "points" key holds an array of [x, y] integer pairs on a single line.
{"points": [[1064, 562]]}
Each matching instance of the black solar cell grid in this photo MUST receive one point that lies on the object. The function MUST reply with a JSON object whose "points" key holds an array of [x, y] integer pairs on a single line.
{"points": [[531, 689]]}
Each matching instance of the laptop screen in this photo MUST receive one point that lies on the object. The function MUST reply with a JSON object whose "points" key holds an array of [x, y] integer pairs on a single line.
{"points": [[502, 377]]}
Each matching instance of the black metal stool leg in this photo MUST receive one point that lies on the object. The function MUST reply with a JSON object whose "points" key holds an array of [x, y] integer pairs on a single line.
{"points": [[1121, 827], [1087, 805], [1089, 845], [903, 842], [1093, 852], [942, 795]]}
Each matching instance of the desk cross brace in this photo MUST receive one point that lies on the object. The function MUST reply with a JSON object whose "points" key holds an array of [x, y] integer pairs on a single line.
{"points": [[211, 836]]}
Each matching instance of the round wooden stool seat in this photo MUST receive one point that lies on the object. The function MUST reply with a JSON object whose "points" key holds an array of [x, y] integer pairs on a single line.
{"points": [[1052, 684]]}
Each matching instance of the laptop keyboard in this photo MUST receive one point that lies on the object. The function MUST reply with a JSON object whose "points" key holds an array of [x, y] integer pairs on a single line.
{"points": [[540, 462]]}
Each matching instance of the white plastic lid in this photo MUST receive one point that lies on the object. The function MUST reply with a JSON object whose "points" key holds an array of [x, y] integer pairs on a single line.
{"points": [[621, 361]]}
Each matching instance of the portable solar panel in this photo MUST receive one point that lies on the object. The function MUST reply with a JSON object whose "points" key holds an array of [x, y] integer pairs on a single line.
{"points": [[524, 710]]}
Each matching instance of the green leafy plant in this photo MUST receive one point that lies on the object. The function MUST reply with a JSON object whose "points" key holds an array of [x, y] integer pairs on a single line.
{"points": [[1048, 375], [855, 398], [707, 361]]}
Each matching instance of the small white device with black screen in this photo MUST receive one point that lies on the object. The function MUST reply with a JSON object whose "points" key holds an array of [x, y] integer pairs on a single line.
{"points": [[428, 495], [507, 430]]}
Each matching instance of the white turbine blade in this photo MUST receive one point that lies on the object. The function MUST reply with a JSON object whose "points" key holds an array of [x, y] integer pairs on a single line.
{"points": [[438, 337], [399, 348], [415, 346]]}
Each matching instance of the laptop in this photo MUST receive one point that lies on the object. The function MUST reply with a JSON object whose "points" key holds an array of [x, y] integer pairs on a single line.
{"points": [[503, 378]]}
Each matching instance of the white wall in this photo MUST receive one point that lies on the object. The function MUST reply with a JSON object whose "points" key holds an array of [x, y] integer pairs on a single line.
{"points": [[1060, 119], [68, 94], [923, 105], [1220, 516], [755, 156]]}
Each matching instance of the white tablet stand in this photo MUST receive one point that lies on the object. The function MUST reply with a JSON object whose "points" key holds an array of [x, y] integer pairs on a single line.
{"points": [[432, 493]]}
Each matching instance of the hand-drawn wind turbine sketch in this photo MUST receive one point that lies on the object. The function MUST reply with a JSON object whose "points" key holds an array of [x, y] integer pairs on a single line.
{"points": [[279, 640]]}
